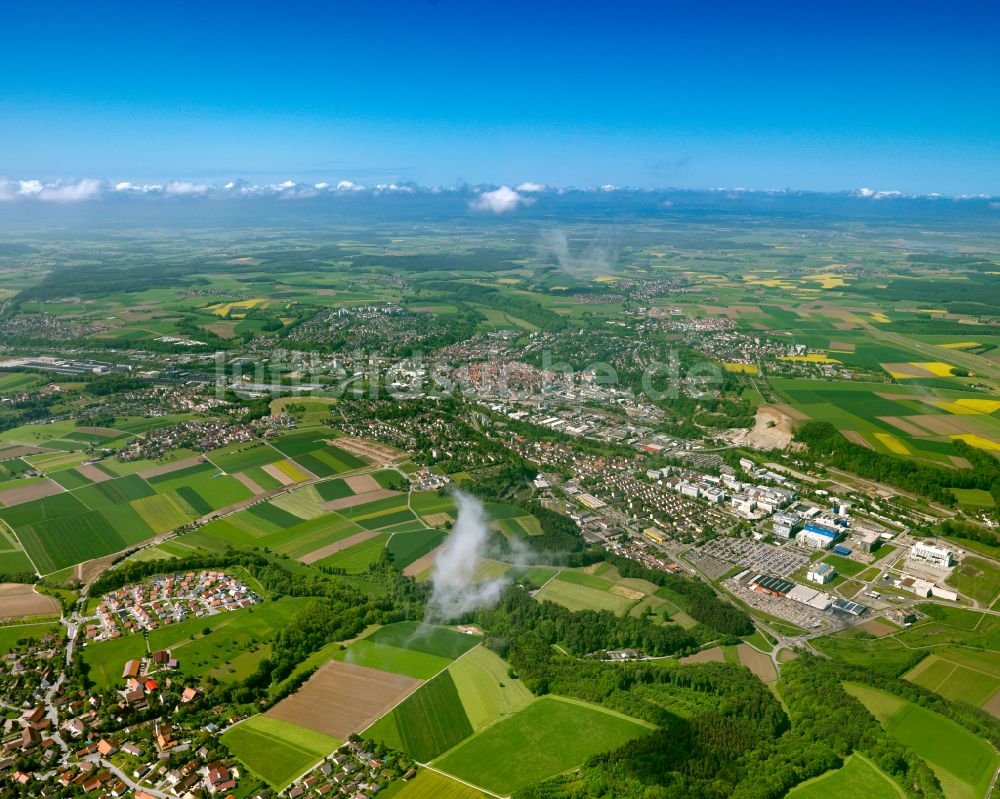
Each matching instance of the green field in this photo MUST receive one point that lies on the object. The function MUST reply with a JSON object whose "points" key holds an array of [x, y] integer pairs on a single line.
{"points": [[963, 762], [549, 736], [959, 674], [431, 785], [232, 635], [976, 578], [240, 457], [358, 557], [429, 639], [487, 690], [427, 723], [275, 750], [393, 658], [577, 591], [857, 777], [10, 635], [406, 548]]}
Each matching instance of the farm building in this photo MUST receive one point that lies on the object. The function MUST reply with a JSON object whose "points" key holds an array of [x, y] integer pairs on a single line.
{"points": [[775, 586], [928, 553], [821, 573]]}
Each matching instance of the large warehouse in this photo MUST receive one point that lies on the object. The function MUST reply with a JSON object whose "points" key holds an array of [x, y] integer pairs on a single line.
{"points": [[812, 535]]}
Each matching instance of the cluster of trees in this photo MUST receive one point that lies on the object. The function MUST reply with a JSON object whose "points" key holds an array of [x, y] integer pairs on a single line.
{"points": [[697, 598], [970, 532], [519, 306], [524, 631], [825, 442], [739, 742]]}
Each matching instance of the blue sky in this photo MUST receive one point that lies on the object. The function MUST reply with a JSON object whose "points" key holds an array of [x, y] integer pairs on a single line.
{"points": [[812, 95]]}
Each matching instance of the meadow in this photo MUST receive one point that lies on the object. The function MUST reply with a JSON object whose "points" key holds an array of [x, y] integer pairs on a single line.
{"points": [[431, 785], [487, 690], [275, 750], [231, 636], [963, 762], [857, 777], [548, 737]]}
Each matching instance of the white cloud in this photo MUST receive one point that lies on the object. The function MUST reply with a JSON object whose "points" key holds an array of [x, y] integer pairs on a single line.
{"points": [[86, 189], [29, 188], [144, 188], [530, 188], [321, 186], [865, 192], [500, 201], [350, 185], [181, 188]]}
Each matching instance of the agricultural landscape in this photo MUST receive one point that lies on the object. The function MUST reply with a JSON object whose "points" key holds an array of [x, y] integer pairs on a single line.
{"points": [[423, 550]]}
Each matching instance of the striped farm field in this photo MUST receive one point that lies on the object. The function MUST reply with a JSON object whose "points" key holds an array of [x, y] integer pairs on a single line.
{"points": [[487, 691], [358, 557], [292, 470], [305, 503], [240, 457], [159, 513], [427, 723], [406, 548], [114, 492], [432, 639]]}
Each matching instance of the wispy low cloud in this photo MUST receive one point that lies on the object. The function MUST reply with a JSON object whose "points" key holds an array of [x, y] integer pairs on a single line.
{"points": [[500, 201], [531, 188], [184, 188], [59, 192]]}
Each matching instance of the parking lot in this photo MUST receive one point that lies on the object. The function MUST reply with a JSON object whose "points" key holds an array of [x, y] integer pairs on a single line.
{"points": [[787, 609], [756, 555]]}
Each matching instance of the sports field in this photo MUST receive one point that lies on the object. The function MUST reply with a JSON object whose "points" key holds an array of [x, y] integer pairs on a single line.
{"points": [[963, 762], [277, 751], [549, 736]]}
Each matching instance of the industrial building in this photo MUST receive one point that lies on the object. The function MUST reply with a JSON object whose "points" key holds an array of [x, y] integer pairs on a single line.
{"points": [[928, 553], [821, 573], [775, 586], [812, 535], [847, 606], [868, 542], [786, 524], [811, 597]]}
